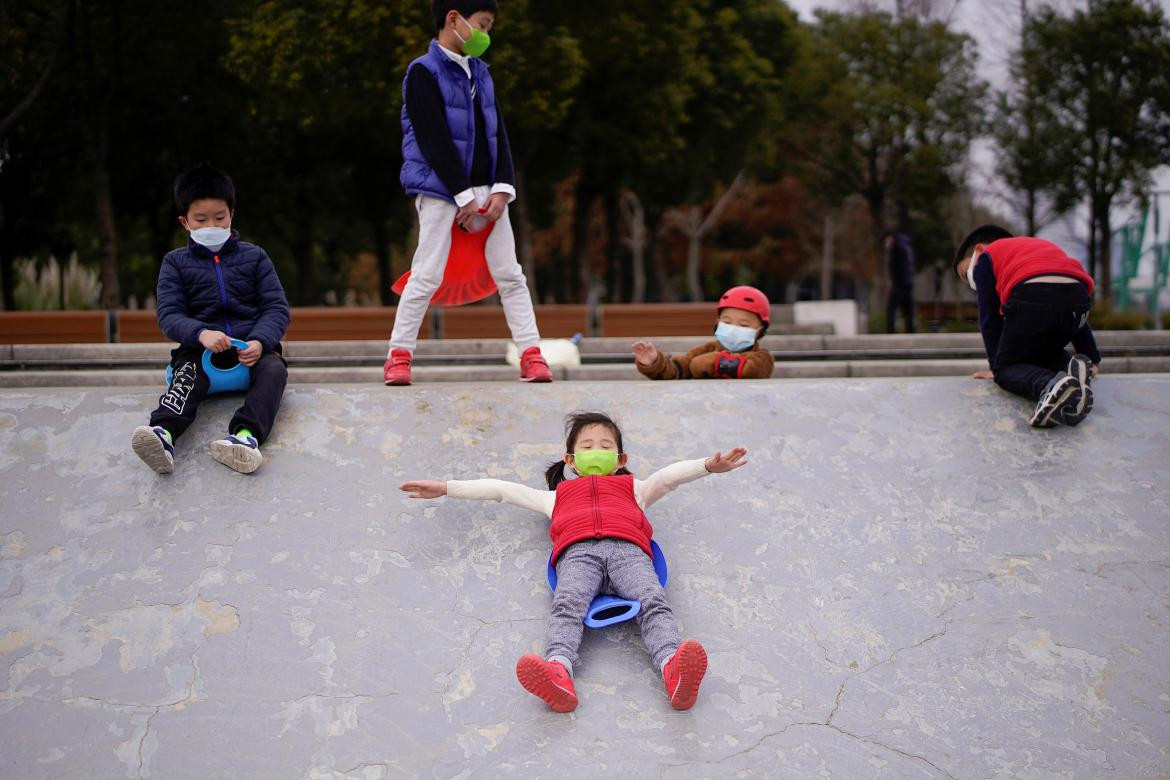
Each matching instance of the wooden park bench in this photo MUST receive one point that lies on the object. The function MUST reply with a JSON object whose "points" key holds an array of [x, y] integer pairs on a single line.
{"points": [[54, 327]]}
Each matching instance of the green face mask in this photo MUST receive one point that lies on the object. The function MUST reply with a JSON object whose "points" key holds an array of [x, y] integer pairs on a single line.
{"points": [[477, 44], [595, 462]]}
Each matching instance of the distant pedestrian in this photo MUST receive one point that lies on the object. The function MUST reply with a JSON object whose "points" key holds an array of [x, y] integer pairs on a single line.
{"points": [[900, 261]]}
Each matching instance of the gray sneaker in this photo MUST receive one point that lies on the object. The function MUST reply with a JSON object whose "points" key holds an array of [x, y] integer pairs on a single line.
{"points": [[241, 453], [152, 446], [1062, 393]]}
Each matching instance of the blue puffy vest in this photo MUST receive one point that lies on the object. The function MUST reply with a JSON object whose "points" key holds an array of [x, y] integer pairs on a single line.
{"points": [[418, 178]]}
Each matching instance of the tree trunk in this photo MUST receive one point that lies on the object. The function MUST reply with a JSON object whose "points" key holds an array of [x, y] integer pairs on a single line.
{"points": [[694, 233], [523, 229], [634, 217], [104, 213], [7, 274], [385, 273], [1105, 259], [1093, 242], [615, 292], [581, 260], [827, 259]]}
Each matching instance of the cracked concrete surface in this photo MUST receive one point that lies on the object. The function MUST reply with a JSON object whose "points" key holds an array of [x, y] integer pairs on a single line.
{"points": [[905, 582]]}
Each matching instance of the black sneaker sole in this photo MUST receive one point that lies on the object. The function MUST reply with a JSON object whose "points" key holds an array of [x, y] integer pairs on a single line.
{"points": [[1064, 393]]}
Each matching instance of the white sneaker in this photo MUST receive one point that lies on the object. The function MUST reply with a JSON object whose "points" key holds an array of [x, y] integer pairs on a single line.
{"points": [[152, 445], [241, 453]]}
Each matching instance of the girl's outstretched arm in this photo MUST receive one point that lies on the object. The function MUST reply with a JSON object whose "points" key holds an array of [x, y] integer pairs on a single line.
{"points": [[484, 490], [667, 479]]}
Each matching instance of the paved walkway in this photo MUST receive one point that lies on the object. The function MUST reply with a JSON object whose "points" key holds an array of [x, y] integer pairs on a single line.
{"points": [[905, 582]]}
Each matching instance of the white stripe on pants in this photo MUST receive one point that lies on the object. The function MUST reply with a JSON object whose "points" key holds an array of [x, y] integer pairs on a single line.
{"points": [[435, 218]]}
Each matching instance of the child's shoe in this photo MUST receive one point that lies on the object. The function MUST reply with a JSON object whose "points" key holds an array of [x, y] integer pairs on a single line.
{"points": [[154, 446], [683, 673], [1080, 369], [396, 369], [1062, 392], [533, 367], [241, 453], [547, 680]]}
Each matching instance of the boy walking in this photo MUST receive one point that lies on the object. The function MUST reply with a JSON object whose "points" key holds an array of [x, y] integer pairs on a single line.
{"points": [[1033, 300], [458, 164], [213, 290]]}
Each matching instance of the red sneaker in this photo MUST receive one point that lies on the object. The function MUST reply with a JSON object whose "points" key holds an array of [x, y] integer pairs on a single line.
{"points": [[547, 680], [396, 369], [533, 367], [683, 672]]}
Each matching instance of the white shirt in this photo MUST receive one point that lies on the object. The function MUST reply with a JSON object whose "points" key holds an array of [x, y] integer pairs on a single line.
{"points": [[468, 195], [646, 492]]}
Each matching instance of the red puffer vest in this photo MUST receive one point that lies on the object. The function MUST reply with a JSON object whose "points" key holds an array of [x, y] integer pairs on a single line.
{"points": [[1016, 260], [598, 508]]}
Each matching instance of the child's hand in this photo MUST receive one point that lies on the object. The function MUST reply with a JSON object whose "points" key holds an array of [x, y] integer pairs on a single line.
{"points": [[250, 355], [984, 374], [465, 213], [1094, 370], [215, 340], [645, 353], [720, 463], [494, 208], [424, 489]]}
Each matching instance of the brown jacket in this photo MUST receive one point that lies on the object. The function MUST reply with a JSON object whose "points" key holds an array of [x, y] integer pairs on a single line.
{"points": [[703, 362]]}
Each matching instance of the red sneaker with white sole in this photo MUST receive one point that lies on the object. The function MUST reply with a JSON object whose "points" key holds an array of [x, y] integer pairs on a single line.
{"points": [[683, 674], [547, 680], [533, 367], [396, 369]]}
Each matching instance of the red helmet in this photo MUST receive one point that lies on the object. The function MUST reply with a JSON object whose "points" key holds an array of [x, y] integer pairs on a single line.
{"points": [[748, 299]]}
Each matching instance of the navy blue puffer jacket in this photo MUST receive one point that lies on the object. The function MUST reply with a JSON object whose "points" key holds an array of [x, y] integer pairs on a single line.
{"points": [[234, 290]]}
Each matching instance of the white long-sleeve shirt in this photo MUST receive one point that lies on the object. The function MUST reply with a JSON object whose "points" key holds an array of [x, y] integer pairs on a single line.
{"points": [[646, 492]]}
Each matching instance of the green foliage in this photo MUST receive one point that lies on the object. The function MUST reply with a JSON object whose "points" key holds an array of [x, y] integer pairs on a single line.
{"points": [[888, 110], [1101, 80], [300, 102]]}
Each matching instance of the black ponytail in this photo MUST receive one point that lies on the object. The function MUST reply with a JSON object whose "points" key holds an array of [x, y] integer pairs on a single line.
{"points": [[574, 424]]}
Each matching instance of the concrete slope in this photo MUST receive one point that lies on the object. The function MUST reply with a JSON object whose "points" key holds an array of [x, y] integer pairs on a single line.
{"points": [[905, 582]]}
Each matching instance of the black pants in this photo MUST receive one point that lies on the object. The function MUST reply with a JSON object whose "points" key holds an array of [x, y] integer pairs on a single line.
{"points": [[190, 383], [1039, 320], [900, 298]]}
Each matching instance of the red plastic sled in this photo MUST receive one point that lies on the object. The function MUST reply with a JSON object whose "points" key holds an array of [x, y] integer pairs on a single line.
{"points": [[466, 278]]}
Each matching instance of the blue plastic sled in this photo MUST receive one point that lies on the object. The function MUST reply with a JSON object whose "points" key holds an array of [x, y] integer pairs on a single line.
{"points": [[605, 610], [223, 380]]}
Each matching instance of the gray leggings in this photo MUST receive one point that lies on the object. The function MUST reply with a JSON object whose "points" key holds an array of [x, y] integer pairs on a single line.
{"points": [[595, 566]]}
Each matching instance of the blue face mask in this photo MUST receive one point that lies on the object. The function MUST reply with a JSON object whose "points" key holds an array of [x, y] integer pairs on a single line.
{"points": [[735, 338]]}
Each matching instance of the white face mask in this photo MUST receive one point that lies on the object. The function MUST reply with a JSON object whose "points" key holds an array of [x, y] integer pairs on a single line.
{"points": [[211, 237], [971, 270]]}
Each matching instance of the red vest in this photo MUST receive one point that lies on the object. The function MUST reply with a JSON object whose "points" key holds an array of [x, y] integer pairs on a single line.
{"points": [[598, 508], [1016, 260]]}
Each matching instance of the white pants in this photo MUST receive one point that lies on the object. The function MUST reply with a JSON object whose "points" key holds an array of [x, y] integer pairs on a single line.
{"points": [[435, 218]]}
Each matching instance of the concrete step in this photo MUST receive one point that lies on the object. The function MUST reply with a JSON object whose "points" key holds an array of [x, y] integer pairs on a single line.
{"points": [[499, 372], [461, 351]]}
